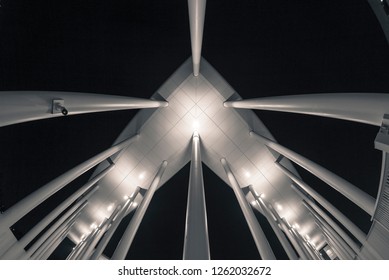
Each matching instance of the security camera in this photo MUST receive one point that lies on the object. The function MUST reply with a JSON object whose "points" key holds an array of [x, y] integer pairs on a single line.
{"points": [[58, 106], [63, 110]]}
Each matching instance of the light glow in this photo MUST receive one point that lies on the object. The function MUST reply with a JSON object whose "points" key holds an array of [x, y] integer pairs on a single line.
{"points": [[110, 207], [195, 125], [125, 197], [142, 176], [93, 226]]}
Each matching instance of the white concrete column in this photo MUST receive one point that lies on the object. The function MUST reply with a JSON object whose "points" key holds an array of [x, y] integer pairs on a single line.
{"points": [[74, 210], [259, 237], [24, 106], [21, 208], [115, 220], [336, 231], [350, 226], [31, 234], [49, 249], [336, 244], [357, 107], [196, 21], [293, 239], [280, 235], [100, 231], [356, 195], [69, 222], [130, 232], [302, 243], [12, 254], [196, 243]]}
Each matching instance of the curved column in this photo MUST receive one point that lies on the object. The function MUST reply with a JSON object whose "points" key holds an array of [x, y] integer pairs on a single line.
{"points": [[341, 251], [356, 195], [31, 234], [294, 239], [196, 243], [24, 106], [350, 226], [286, 229], [55, 244], [258, 235], [100, 231], [114, 222], [21, 208], [281, 237], [74, 210], [366, 108], [337, 230], [196, 10], [130, 232], [49, 249]]}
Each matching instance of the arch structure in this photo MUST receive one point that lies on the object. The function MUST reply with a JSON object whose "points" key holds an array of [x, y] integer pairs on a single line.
{"points": [[197, 117]]}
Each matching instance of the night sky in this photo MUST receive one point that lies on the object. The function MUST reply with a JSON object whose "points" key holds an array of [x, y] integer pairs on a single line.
{"points": [[262, 48]]}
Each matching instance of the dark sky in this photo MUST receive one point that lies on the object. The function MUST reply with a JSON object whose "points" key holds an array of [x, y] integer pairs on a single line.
{"points": [[121, 47]]}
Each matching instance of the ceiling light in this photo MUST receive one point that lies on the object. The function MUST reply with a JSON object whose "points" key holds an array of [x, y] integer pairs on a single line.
{"points": [[195, 125]]}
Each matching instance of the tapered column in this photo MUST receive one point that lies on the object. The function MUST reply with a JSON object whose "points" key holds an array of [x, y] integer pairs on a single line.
{"points": [[115, 220], [356, 195], [341, 251], [333, 246], [302, 244], [196, 243], [75, 250], [305, 245], [49, 241], [286, 229], [336, 230], [100, 231], [350, 226], [196, 21], [13, 214], [281, 237], [358, 107], [74, 210], [11, 253], [55, 243], [258, 235], [39, 245], [24, 106], [31, 234], [293, 239], [130, 232], [88, 242]]}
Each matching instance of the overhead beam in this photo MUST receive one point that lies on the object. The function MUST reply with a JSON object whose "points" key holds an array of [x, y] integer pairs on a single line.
{"points": [[196, 242], [353, 193], [24, 106], [366, 108], [196, 22]]}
